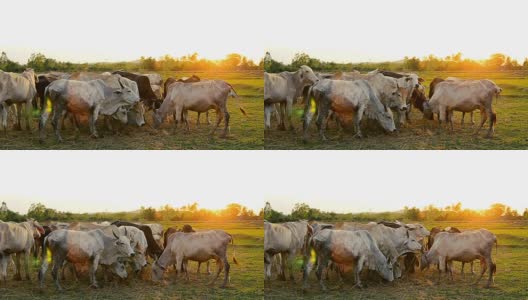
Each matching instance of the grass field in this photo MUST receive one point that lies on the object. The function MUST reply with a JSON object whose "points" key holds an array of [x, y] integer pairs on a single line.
{"points": [[510, 280], [246, 132], [246, 277], [511, 130]]}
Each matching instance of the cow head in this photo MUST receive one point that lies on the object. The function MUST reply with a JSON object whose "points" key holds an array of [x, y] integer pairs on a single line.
{"points": [[307, 76], [118, 268], [424, 262], [122, 245], [386, 119], [157, 271], [121, 115], [428, 111], [385, 269], [124, 95], [136, 115], [395, 99], [139, 261]]}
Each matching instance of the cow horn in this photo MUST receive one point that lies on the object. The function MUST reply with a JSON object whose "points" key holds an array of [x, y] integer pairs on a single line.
{"points": [[126, 231], [120, 84], [113, 232]]}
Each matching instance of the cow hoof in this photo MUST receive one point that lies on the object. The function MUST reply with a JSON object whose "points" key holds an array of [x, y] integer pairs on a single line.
{"points": [[94, 286]]}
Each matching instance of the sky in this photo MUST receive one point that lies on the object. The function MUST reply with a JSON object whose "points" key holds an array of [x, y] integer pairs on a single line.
{"points": [[341, 181], [106, 181], [363, 181], [387, 30], [120, 30]]}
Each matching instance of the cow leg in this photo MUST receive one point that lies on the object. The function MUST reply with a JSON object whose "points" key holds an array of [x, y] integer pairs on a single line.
{"points": [[489, 265], [321, 116], [322, 262], [3, 112], [450, 269], [289, 112], [472, 268], [462, 121], [208, 267], [268, 109], [268, 258], [357, 120], [186, 120], [226, 120], [442, 265], [227, 267], [357, 273], [93, 269], [17, 276], [58, 261], [198, 119], [483, 118], [282, 116], [4, 261], [219, 117], [18, 113], [290, 261], [207, 117], [56, 124], [491, 116], [462, 269], [219, 267], [28, 110], [472, 119], [450, 119], [93, 120]]}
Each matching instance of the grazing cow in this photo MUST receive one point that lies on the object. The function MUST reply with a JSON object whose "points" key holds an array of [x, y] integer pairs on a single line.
{"points": [[199, 246], [18, 89], [139, 244], [94, 247], [392, 239], [344, 97], [419, 232], [346, 248], [200, 97], [284, 88], [92, 97], [146, 94], [193, 78], [450, 229], [186, 229], [135, 113], [153, 249], [464, 96], [18, 239], [432, 87], [466, 246], [407, 83], [286, 239], [386, 88]]}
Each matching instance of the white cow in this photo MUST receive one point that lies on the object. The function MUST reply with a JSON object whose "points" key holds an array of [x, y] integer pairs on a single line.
{"points": [[18, 89], [464, 96], [348, 248], [284, 88], [346, 97], [93, 97], [93, 247]]}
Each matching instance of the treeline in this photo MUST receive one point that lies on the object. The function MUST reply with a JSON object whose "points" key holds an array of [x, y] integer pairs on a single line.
{"points": [[191, 212], [40, 63], [455, 62], [455, 212]]}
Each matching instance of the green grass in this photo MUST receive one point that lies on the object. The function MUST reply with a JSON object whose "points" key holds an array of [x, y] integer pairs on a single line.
{"points": [[511, 130], [246, 277], [510, 280], [246, 132]]}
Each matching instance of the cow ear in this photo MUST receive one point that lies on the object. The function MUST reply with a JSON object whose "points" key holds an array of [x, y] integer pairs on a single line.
{"points": [[420, 79]]}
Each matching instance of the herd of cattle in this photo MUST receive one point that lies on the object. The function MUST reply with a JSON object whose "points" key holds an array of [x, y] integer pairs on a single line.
{"points": [[116, 247], [391, 249], [120, 95], [373, 95]]}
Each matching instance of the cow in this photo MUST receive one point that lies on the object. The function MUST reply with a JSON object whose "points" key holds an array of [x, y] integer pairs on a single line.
{"points": [[17, 239], [94, 247], [139, 244], [465, 246], [407, 83], [386, 88], [419, 232], [199, 246], [287, 239], [186, 228], [284, 88], [193, 78], [464, 96], [392, 239], [343, 97], [432, 87], [146, 94], [451, 229], [135, 113], [39, 242], [18, 89], [43, 81], [93, 97], [153, 249], [200, 97], [345, 248]]}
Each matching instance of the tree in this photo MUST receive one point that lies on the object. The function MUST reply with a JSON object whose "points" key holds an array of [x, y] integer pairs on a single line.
{"points": [[301, 211], [233, 210], [412, 63], [525, 213], [496, 61], [232, 61], [147, 213], [496, 210], [300, 59], [412, 213], [147, 63]]}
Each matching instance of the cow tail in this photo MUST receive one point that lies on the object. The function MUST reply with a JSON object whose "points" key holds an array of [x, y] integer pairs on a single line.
{"points": [[496, 247], [234, 250], [244, 112]]}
